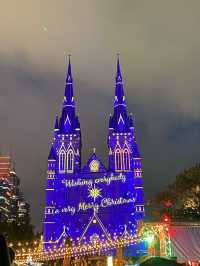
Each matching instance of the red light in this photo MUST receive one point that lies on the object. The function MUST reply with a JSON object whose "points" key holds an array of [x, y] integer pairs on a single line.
{"points": [[166, 219]]}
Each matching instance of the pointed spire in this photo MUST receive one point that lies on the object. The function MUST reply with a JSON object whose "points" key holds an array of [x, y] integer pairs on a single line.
{"points": [[69, 122], [52, 154], [131, 120], [110, 121], [118, 74], [56, 127], [69, 98], [119, 90], [69, 78], [119, 121]]}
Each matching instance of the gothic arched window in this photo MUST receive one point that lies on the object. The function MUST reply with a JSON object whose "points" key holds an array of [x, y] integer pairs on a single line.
{"points": [[118, 160], [62, 161], [70, 161], [126, 160]]}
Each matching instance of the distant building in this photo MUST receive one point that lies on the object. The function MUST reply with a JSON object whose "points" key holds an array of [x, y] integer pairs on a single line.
{"points": [[13, 207], [20, 209], [5, 192], [5, 166]]}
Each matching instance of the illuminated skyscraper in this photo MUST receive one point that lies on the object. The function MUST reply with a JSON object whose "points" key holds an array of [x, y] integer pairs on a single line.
{"points": [[19, 208], [13, 207]]}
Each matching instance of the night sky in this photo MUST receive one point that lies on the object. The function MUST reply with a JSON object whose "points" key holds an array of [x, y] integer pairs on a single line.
{"points": [[159, 45]]}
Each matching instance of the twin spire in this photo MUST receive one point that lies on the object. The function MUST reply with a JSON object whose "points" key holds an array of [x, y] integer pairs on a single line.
{"points": [[119, 91], [69, 123]]}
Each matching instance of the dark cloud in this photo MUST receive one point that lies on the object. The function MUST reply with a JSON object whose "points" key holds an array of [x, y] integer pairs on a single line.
{"points": [[160, 56]]}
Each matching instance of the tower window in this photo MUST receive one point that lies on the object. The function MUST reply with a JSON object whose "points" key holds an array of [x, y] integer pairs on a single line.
{"points": [[62, 161], [118, 160], [126, 158], [70, 161]]}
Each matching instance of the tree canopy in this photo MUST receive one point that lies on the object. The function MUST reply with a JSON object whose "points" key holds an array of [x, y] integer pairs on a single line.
{"points": [[181, 199]]}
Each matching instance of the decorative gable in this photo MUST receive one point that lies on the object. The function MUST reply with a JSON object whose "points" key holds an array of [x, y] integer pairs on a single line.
{"points": [[94, 164]]}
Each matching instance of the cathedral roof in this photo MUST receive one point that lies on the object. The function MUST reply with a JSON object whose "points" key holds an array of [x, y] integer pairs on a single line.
{"points": [[94, 164]]}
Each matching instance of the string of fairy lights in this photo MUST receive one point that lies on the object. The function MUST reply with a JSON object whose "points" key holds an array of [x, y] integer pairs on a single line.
{"points": [[146, 232], [73, 250]]}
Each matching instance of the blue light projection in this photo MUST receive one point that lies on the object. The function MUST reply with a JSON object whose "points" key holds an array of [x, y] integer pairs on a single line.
{"points": [[93, 203]]}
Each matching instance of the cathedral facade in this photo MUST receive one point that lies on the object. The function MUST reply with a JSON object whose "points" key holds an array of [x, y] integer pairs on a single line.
{"points": [[93, 202]]}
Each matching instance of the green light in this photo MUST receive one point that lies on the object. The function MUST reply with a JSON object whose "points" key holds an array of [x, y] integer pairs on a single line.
{"points": [[149, 239]]}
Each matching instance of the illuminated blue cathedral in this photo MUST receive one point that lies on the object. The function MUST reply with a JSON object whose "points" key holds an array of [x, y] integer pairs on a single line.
{"points": [[92, 202]]}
